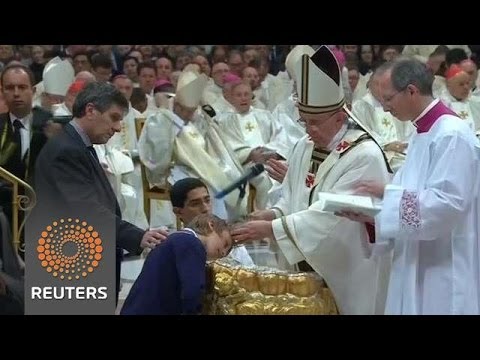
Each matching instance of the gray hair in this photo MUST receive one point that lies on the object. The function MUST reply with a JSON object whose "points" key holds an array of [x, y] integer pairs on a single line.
{"points": [[412, 72], [101, 95], [383, 68], [379, 71]]}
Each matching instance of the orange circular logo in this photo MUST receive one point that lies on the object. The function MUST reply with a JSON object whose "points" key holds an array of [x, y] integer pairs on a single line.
{"points": [[69, 249]]}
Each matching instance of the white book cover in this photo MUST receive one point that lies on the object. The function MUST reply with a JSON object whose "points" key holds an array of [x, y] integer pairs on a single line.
{"points": [[339, 202]]}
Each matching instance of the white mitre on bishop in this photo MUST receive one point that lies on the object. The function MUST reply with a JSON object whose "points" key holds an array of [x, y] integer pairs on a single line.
{"points": [[190, 88]]}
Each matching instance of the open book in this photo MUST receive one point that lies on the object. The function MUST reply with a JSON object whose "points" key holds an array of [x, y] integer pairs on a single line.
{"points": [[338, 202]]}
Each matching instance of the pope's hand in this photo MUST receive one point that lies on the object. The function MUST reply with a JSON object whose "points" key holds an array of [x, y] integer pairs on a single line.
{"points": [[277, 169], [252, 230]]}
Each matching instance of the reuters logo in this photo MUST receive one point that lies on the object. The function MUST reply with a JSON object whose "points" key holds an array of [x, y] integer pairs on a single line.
{"points": [[69, 249]]}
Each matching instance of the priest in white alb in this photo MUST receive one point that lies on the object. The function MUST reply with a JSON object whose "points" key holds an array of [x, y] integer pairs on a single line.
{"points": [[430, 212], [263, 136]]}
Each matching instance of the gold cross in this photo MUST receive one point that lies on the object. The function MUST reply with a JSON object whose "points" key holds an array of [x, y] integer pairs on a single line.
{"points": [[249, 127], [463, 114], [385, 122]]}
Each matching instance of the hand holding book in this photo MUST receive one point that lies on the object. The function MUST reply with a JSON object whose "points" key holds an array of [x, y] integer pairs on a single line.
{"points": [[356, 216], [360, 207], [353, 204], [370, 188]]}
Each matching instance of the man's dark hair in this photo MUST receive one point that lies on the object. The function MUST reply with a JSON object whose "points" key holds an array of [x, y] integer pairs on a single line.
{"points": [[455, 56], [87, 54], [255, 63], [101, 95], [128, 57], [101, 60], [16, 65], [146, 65], [180, 190], [440, 50], [138, 95]]}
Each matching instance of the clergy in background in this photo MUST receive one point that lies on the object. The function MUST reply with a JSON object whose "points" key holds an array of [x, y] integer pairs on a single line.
{"points": [[458, 97], [183, 142]]}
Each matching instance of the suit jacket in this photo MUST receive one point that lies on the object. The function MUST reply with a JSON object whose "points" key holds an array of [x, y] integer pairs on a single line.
{"points": [[15, 164], [172, 281], [11, 302], [68, 179], [38, 140]]}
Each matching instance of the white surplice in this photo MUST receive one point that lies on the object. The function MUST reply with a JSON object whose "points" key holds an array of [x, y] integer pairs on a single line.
{"points": [[430, 219]]}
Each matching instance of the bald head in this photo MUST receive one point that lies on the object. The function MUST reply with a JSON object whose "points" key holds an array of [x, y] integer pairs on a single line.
{"points": [[250, 76], [86, 76], [374, 85], [218, 72], [471, 69], [250, 55], [202, 61], [241, 97], [124, 84], [380, 74]]}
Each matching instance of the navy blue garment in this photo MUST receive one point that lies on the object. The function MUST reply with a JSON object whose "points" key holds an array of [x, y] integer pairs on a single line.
{"points": [[172, 280]]}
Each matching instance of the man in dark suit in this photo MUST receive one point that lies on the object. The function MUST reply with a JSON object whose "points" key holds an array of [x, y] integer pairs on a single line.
{"points": [[23, 131], [70, 178], [11, 279]]}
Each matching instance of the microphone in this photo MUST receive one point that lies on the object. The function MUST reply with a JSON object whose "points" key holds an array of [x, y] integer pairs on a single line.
{"points": [[240, 183]]}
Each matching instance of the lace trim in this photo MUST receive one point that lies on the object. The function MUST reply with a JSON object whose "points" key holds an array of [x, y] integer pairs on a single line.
{"points": [[410, 210]]}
